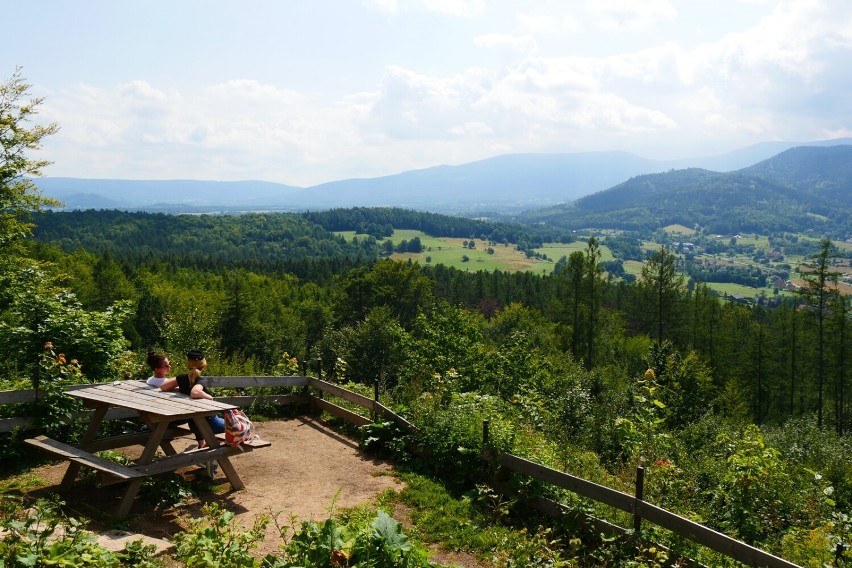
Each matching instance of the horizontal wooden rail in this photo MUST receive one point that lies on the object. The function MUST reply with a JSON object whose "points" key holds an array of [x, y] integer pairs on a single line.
{"points": [[341, 412], [707, 537], [578, 485], [259, 382], [340, 392]]}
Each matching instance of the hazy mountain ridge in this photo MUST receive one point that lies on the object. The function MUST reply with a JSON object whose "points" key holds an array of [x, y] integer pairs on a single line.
{"points": [[512, 182], [801, 189]]}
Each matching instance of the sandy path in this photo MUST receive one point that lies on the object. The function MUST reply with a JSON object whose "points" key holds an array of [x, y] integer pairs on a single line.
{"points": [[308, 470]]}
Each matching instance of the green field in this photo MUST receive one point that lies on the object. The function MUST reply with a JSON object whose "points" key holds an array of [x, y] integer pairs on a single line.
{"points": [[451, 252]]}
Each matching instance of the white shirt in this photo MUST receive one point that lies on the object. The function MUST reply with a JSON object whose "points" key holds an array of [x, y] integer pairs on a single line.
{"points": [[155, 381]]}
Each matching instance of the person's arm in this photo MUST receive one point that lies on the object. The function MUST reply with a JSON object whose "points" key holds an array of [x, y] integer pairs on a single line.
{"points": [[169, 385], [199, 392], [199, 386]]}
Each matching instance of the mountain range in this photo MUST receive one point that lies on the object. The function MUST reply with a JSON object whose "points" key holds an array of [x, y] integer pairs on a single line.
{"points": [[508, 183], [803, 189]]}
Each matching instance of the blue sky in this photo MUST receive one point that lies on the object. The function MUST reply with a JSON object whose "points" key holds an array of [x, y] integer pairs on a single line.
{"points": [[303, 92]]}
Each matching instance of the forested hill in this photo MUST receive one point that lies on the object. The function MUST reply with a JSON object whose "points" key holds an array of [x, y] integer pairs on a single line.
{"points": [[823, 172], [381, 221], [801, 189], [194, 238]]}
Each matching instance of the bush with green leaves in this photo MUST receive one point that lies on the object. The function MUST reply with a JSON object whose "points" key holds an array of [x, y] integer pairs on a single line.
{"points": [[216, 540], [42, 536], [451, 430], [375, 541]]}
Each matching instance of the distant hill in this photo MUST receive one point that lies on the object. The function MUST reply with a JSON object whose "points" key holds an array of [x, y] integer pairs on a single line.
{"points": [[163, 195], [508, 183], [822, 172], [801, 189]]}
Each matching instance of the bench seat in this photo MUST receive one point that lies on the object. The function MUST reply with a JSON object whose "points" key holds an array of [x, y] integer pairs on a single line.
{"points": [[82, 457]]}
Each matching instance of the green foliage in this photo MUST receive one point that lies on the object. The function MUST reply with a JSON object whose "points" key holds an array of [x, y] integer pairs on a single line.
{"points": [[749, 501], [137, 554], [43, 537], [217, 541], [642, 436], [369, 542], [451, 428], [384, 439], [39, 312], [19, 196]]}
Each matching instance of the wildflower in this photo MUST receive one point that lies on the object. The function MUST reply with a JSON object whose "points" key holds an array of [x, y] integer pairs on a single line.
{"points": [[75, 362], [60, 358], [48, 345]]}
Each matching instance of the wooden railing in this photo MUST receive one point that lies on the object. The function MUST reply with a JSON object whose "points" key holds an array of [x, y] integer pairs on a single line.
{"points": [[633, 504]]}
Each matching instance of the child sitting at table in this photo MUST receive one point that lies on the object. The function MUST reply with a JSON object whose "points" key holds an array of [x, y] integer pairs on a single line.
{"points": [[195, 386]]}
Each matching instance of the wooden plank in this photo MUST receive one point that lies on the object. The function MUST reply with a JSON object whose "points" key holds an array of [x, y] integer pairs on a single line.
{"points": [[9, 424], [84, 458], [578, 485], [280, 399], [708, 537], [394, 417], [125, 440], [241, 382], [186, 459], [17, 396], [347, 415], [146, 399], [340, 392]]}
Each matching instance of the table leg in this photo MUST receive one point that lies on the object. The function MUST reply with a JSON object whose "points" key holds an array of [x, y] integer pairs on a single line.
{"points": [[224, 462], [158, 431], [90, 434]]}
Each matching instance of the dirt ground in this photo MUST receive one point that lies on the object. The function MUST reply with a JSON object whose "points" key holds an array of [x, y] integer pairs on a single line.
{"points": [[309, 472]]}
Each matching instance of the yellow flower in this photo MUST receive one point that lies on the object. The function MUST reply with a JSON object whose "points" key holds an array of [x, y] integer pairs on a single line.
{"points": [[61, 359], [48, 345]]}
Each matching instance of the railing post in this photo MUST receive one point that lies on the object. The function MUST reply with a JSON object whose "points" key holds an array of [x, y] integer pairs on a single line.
{"points": [[486, 439], [375, 399], [640, 495], [36, 378]]}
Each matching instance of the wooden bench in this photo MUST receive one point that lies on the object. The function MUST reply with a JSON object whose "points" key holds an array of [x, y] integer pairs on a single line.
{"points": [[116, 471]]}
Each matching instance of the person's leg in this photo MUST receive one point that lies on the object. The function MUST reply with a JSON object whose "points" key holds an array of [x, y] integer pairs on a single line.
{"points": [[217, 424]]}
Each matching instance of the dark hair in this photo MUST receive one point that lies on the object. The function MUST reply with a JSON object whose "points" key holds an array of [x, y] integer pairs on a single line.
{"points": [[194, 355], [155, 360]]}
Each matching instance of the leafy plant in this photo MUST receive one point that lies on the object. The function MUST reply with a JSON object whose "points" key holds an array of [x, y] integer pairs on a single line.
{"points": [[216, 540], [376, 542], [41, 536], [137, 554], [384, 439]]}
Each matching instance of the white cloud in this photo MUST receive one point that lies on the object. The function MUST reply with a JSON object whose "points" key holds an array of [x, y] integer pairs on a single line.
{"points": [[547, 24], [521, 44], [461, 8], [631, 14], [784, 78], [384, 6]]}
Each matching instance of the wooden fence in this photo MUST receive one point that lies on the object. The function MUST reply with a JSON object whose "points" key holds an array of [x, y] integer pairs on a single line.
{"points": [[633, 504]]}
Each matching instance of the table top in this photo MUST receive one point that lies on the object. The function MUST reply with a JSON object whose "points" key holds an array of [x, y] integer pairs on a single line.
{"points": [[139, 396]]}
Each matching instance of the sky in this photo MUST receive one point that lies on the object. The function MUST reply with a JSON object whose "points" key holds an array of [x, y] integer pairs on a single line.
{"points": [[303, 92]]}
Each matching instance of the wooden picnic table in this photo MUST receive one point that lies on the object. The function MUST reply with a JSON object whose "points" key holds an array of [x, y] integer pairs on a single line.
{"points": [[158, 410]]}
